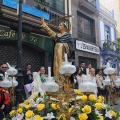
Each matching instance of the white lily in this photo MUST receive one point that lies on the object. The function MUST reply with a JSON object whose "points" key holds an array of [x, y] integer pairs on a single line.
{"points": [[39, 100], [104, 106], [98, 112], [19, 116], [49, 116], [108, 114]]}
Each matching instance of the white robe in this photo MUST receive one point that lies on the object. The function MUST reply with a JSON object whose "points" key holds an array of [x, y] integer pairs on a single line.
{"points": [[36, 84]]}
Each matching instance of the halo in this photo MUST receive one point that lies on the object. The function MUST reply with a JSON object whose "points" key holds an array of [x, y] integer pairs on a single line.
{"points": [[63, 19]]}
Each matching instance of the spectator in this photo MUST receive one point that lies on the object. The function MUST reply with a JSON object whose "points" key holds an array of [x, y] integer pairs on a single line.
{"points": [[42, 74], [89, 66], [28, 79], [116, 88], [4, 103], [4, 68], [82, 67], [93, 79], [77, 78], [101, 88]]}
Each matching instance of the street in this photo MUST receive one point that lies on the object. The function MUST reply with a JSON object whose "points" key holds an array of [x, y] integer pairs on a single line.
{"points": [[117, 107]]}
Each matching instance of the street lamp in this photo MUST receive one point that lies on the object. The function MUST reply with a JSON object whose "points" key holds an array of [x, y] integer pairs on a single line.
{"points": [[19, 76]]}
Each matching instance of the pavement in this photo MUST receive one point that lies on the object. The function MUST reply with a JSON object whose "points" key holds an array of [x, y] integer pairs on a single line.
{"points": [[117, 107]]}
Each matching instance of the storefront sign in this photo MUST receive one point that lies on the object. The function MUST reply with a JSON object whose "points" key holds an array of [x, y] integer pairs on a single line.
{"points": [[27, 9], [40, 41], [87, 47]]}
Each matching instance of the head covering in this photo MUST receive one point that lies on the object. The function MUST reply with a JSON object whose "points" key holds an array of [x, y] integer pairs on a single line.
{"points": [[65, 24]]}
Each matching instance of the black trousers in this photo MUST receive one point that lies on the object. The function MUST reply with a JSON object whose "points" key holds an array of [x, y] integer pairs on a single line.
{"points": [[5, 111]]}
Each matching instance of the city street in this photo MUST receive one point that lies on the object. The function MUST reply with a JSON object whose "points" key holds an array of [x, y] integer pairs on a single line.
{"points": [[117, 107]]}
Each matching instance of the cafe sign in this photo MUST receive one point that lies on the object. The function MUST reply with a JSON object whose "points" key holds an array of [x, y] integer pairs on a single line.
{"points": [[83, 46], [40, 41]]}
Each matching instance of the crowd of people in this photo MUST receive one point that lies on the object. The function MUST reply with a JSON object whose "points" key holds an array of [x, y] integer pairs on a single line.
{"points": [[96, 76], [33, 82]]}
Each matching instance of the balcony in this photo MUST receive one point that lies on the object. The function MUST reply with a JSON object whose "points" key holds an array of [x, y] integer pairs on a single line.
{"points": [[108, 12], [89, 6], [111, 48], [86, 37], [92, 2]]}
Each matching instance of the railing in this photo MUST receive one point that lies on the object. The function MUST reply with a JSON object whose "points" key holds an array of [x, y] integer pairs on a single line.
{"points": [[92, 2], [86, 37], [105, 10], [108, 46]]}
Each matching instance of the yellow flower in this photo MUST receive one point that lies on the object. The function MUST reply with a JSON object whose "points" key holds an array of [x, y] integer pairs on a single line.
{"points": [[70, 110], [119, 113], [40, 107], [29, 114], [92, 98], [13, 112], [20, 105], [86, 109], [113, 113], [101, 98], [37, 117], [54, 106], [26, 102], [82, 116], [4, 119], [98, 106], [35, 94], [84, 98], [99, 101], [119, 118], [19, 111], [100, 117], [62, 117], [78, 92], [28, 106]]}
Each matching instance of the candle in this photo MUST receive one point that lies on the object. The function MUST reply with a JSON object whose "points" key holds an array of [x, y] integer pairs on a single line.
{"points": [[66, 57], [5, 75], [87, 71], [49, 72]]}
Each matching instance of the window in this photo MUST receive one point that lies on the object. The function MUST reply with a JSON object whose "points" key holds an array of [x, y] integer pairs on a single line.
{"points": [[85, 25], [107, 33], [57, 5]]}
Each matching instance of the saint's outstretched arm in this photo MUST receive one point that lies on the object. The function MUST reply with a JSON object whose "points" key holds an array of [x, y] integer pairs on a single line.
{"points": [[50, 32]]}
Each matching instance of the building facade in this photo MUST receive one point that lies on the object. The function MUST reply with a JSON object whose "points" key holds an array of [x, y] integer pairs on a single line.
{"points": [[85, 30], [107, 37], [37, 47], [113, 5]]}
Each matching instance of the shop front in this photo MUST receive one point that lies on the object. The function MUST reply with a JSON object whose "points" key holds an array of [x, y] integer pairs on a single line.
{"points": [[35, 50], [88, 53]]}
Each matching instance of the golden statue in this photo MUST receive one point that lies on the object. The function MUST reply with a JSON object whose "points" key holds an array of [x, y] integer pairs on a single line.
{"points": [[63, 44]]}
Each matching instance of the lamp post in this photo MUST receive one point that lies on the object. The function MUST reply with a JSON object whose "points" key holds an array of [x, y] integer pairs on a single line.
{"points": [[19, 54], [109, 71], [19, 76]]}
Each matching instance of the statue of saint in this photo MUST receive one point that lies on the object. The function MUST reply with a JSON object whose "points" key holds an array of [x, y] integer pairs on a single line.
{"points": [[63, 44]]}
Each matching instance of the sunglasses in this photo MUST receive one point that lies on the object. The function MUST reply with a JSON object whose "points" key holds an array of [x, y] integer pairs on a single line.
{"points": [[4, 67]]}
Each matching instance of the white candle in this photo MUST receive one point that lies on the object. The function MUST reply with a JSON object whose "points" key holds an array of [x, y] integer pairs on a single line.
{"points": [[87, 71], [5, 75], [66, 58], [49, 72]]}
